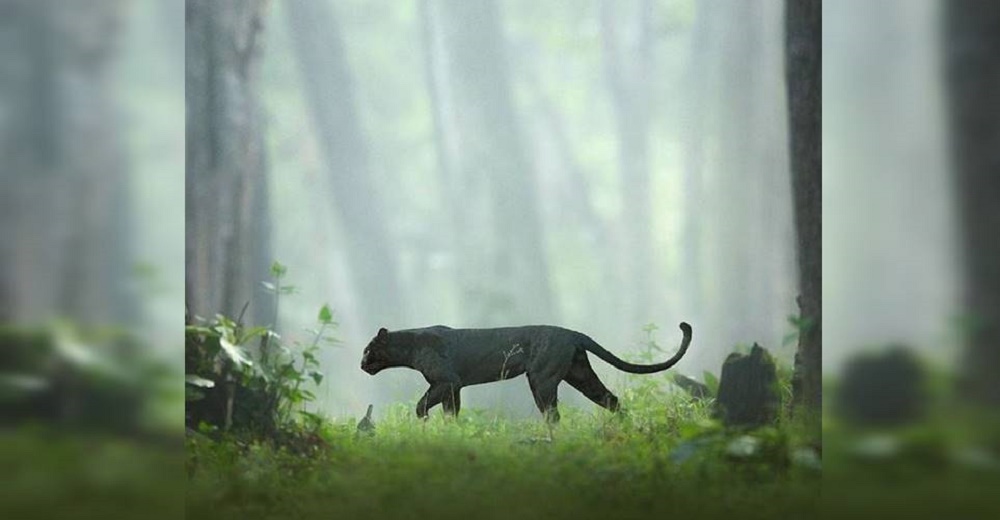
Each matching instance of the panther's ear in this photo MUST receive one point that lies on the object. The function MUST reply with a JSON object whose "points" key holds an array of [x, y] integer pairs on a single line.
{"points": [[382, 333]]}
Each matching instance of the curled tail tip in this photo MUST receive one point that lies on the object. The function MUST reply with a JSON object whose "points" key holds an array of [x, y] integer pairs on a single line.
{"points": [[685, 328]]}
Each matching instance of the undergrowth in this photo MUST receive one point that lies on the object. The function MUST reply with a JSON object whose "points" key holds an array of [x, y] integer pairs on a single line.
{"points": [[649, 462], [665, 456]]}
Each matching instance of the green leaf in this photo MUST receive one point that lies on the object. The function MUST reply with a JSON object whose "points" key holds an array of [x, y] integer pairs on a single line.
{"points": [[256, 331], [235, 353], [325, 315], [197, 329], [316, 376], [289, 289], [711, 382], [278, 270], [197, 380]]}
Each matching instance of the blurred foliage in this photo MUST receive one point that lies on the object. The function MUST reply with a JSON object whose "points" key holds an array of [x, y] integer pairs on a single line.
{"points": [[259, 394], [78, 378]]}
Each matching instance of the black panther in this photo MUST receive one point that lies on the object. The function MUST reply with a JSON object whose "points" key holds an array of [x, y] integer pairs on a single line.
{"points": [[450, 359]]}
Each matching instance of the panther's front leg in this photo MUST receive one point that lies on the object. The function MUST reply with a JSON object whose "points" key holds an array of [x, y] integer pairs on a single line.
{"points": [[438, 393]]}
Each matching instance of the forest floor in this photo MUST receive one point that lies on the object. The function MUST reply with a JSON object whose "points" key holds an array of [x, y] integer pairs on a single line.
{"points": [[592, 465], [677, 464]]}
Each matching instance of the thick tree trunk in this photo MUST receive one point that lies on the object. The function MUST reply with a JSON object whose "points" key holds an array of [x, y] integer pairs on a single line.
{"points": [[330, 91], [803, 67], [973, 78], [492, 161], [225, 189]]}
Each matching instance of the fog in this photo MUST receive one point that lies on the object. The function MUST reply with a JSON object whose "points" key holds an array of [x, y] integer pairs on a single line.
{"points": [[889, 233], [599, 166], [613, 167]]}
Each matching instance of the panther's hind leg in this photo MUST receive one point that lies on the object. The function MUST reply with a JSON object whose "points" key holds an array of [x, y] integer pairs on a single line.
{"points": [[582, 377], [452, 401]]}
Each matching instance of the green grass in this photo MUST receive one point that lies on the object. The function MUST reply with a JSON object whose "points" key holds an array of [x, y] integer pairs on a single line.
{"points": [[53, 472], [482, 467], [594, 465]]}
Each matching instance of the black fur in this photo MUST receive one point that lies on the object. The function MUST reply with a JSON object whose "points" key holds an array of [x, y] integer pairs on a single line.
{"points": [[451, 359]]}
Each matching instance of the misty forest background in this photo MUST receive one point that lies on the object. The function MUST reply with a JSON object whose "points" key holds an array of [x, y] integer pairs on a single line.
{"points": [[602, 166], [599, 166], [645, 154]]}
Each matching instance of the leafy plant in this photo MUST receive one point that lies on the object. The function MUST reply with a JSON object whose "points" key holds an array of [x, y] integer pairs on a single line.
{"points": [[800, 326], [260, 396], [711, 382]]}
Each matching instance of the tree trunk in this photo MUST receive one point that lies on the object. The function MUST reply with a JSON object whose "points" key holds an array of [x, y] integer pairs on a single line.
{"points": [[628, 81], [514, 287], [748, 395], [803, 69], [330, 92], [737, 185], [702, 44], [443, 117], [226, 168], [568, 198], [66, 217], [973, 79]]}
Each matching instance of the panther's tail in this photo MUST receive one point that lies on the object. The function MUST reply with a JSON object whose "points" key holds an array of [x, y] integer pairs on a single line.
{"points": [[625, 366]]}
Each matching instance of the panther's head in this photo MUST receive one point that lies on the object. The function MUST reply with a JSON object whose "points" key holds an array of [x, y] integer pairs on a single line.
{"points": [[376, 354]]}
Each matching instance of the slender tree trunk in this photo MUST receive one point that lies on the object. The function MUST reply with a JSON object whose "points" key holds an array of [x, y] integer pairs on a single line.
{"points": [[442, 115], [67, 246], [803, 67], [261, 251], [569, 200], [225, 189], [694, 159], [736, 187], [490, 149], [628, 81], [330, 91], [972, 45]]}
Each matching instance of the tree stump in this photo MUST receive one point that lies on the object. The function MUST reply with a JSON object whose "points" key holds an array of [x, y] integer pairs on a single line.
{"points": [[882, 389], [748, 392]]}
